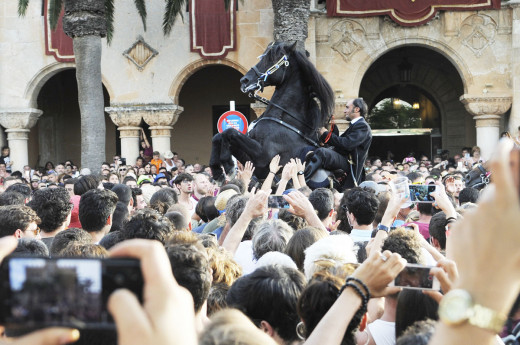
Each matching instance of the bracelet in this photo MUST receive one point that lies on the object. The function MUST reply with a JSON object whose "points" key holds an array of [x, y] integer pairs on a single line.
{"points": [[364, 299], [363, 285], [270, 172]]}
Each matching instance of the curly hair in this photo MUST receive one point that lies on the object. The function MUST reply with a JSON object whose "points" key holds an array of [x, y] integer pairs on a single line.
{"points": [[148, 224], [66, 237], [405, 243], [11, 198], [13, 217], [294, 221], [363, 204], [95, 206], [52, 205], [163, 199], [82, 250], [225, 269]]}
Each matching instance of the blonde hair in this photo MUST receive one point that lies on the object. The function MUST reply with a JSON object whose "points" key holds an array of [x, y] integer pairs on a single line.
{"points": [[225, 268], [231, 327]]}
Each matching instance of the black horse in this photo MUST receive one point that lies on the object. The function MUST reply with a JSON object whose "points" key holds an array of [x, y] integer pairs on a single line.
{"points": [[478, 177], [291, 119]]}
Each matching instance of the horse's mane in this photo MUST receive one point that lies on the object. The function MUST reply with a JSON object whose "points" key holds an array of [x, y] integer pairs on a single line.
{"points": [[318, 86]]}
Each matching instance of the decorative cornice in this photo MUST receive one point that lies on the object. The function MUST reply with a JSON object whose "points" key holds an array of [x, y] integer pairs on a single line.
{"points": [[486, 105]]}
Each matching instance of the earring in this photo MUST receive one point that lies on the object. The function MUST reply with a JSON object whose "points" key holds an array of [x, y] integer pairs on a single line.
{"points": [[301, 331]]}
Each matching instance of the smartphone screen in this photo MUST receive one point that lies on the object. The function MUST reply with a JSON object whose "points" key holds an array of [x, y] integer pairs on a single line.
{"points": [[417, 277], [421, 193], [277, 201], [70, 292]]}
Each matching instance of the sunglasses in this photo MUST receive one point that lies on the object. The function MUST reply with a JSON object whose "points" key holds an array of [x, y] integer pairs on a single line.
{"points": [[35, 231]]}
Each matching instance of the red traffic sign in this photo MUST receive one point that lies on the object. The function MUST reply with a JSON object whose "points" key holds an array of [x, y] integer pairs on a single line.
{"points": [[232, 119]]}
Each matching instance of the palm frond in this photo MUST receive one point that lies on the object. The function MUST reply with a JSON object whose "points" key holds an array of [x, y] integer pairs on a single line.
{"points": [[141, 9], [109, 15], [22, 7], [173, 7], [54, 12]]}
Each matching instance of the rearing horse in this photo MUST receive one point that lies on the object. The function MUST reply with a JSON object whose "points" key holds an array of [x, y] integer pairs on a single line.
{"points": [[291, 119]]}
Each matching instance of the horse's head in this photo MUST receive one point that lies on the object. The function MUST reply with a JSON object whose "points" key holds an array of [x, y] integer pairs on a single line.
{"points": [[270, 70], [478, 177]]}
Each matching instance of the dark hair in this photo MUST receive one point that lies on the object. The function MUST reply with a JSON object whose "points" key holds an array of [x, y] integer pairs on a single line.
{"points": [[468, 194], [240, 184], [362, 204], [270, 293], [322, 200], [412, 306], [179, 222], [316, 300], [11, 198], [86, 183], [341, 215], [405, 243], [95, 207], [360, 103], [437, 228], [31, 247], [190, 266], [70, 181], [66, 237], [163, 199], [21, 188], [234, 208], [120, 217], [206, 209], [183, 177], [425, 208], [82, 250], [111, 239], [294, 221], [383, 198], [124, 193], [419, 333], [52, 205], [217, 298], [148, 224], [301, 240]]}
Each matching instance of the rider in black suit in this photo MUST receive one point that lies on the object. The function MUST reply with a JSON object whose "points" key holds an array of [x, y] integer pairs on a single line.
{"points": [[348, 151]]}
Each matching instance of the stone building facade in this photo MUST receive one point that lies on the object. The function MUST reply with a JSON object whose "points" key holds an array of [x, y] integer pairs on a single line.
{"points": [[464, 66]]}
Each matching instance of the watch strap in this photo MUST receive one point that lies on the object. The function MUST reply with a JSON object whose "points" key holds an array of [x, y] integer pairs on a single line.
{"points": [[383, 227], [486, 318]]}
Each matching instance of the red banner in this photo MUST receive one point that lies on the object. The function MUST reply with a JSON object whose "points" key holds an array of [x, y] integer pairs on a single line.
{"points": [[212, 28], [405, 12], [56, 42]]}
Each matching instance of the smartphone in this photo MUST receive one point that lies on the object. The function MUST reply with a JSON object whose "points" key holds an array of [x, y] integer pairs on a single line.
{"points": [[417, 277], [277, 201], [123, 161], [66, 292], [421, 192], [466, 155]]}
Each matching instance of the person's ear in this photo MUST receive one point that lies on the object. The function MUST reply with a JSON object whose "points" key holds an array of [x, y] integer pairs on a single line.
{"points": [[132, 202], [435, 243], [267, 328], [109, 220], [18, 233], [331, 213]]}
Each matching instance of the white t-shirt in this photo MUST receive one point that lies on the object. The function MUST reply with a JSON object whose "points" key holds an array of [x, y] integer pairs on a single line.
{"points": [[244, 257], [383, 332]]}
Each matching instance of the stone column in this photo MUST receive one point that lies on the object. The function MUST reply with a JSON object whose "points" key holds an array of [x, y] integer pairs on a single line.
{"points": [[18, 123], [514, 120], [128, 119], [487, 110], [161, 118]]}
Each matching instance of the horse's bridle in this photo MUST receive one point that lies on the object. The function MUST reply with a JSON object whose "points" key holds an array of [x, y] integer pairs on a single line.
{"points": [[259, 86], [484, 178]]}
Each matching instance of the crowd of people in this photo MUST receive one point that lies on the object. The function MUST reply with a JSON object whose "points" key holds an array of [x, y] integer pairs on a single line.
{"points": [[221, 267]]}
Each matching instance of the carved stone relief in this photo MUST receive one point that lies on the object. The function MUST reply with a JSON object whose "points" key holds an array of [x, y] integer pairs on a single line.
{"points": [[140, 53], [346, 37], [478, 32]]}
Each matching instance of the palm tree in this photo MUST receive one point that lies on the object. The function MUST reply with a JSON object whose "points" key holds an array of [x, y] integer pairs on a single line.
{"points": [[86, 22], [291, 20]]}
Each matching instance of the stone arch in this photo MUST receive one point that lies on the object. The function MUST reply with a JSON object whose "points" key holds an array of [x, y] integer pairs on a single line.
{"points": [[440, 47], [38, 81], [189, 70]]}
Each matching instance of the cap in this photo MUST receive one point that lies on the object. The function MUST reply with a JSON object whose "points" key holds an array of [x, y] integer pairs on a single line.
{"points": [[144, 179], [377, 188], [168, 155], [158, 176]]}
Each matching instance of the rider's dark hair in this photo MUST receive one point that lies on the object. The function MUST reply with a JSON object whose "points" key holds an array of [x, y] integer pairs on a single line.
{"points": [[360, 103]]}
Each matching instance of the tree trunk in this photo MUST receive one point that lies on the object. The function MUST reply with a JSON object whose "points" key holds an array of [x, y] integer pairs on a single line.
{"points": [[85, 22], [291, 18]]}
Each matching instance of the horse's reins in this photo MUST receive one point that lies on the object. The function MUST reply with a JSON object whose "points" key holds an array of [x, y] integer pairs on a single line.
{"points": [[262, 78]]}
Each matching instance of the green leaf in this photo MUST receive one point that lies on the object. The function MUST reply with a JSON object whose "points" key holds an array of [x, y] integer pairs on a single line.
{"points": [[109, 15], [55, 7], [141, 9], [22, 7], [173, 7]]}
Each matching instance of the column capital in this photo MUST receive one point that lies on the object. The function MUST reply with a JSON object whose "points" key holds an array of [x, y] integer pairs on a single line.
{"points": [[157, 115], [19, 118], [125, 115], [258, 108], [479, 105]]}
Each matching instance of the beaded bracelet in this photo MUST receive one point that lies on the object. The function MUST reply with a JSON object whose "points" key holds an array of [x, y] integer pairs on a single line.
{"points": [[450, 220], [363, 285], [364, 299]]}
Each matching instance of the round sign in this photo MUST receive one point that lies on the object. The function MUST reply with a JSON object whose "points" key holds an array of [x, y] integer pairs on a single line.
{"points": [[232, 119]]}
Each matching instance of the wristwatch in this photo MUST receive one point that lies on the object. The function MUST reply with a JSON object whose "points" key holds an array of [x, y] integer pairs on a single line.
{"points": [[383, 227], [300, 172], [457, 307]]}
